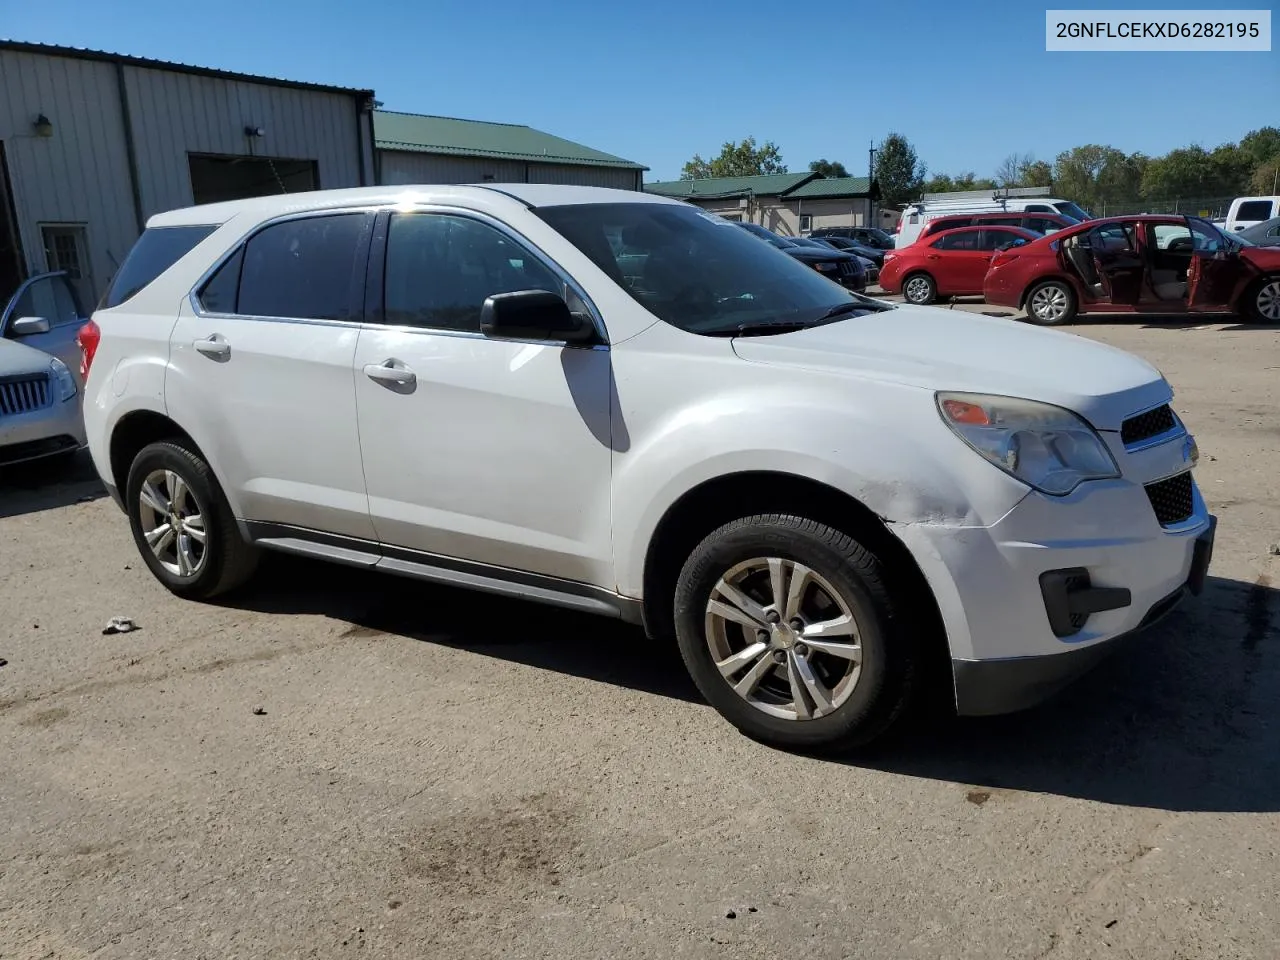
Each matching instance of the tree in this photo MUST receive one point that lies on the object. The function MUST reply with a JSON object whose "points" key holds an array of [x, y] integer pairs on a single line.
{"points": [[1261, 145], [743, 159], [828, 168], [1266, 178], [1037, 173], [898, 172], [938, 183], [1186, 172], [1012, 171]]}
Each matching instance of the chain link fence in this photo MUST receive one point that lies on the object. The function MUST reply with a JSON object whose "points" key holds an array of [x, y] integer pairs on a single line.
{"points": [[1209, 207]]}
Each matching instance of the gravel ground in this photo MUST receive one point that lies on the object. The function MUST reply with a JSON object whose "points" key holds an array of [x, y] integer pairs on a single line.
{"points": [[336, 764]]}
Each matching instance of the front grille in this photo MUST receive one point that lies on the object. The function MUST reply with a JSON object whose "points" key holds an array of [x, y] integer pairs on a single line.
{"points": [[1147, 425], [23, 393], [848, 267], [1171, 499]]}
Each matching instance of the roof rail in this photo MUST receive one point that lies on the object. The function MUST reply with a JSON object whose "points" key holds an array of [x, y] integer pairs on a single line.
{"points": [[999, 193]]}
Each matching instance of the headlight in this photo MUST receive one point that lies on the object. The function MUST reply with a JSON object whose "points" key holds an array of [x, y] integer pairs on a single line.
{"points": [[1046, 447], [825, 267], [62, 377]]}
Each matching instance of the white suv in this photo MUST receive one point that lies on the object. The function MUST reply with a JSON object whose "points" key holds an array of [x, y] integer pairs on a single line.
{"points": [[619, 403]]}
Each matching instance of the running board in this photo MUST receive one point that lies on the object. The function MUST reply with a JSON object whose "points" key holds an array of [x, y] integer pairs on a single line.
{"points": [[446, 571]]}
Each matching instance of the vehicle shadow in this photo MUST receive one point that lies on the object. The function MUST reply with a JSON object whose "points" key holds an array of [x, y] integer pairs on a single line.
{"points": [[1182, 719], [48, 484]]}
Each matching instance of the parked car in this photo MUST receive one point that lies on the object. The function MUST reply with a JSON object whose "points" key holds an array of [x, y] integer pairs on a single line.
{"points": [[1246, 212], [1264, 234], [1038, 223], [819, 494], [869, 267], [39, 390], [1159, 264], [873, 254], [845, 269], [872, 237], [950, 264], [916, 215]]}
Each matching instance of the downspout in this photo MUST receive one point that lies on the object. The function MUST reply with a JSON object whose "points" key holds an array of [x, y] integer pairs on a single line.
{"points": [[130, 149], [364, 167]]}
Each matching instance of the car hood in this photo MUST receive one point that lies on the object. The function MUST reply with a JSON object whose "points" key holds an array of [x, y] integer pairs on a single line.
{"points": [[938, 349], [814, 255], [18, 358]]}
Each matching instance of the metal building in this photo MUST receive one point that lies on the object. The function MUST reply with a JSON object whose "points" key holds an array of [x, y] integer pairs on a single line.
{"points": [[422, 149], [92, 144]]}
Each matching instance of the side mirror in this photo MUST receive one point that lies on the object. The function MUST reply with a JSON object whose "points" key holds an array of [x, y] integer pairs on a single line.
{"points": [[28, 326], [533, 315]]}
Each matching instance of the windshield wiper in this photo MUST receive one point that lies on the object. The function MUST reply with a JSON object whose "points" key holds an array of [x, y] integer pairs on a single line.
{"points": [[842, 308], [762, 328]]}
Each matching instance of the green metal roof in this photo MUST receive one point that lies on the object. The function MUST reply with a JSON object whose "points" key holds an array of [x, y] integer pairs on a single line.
{"points": [[832, 187], [479, 138], [766, 185]]}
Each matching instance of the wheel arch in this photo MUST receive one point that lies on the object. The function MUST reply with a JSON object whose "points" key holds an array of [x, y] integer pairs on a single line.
{"points": [[720, 500], [1246, 302], [137, 430], [1046, 278]]}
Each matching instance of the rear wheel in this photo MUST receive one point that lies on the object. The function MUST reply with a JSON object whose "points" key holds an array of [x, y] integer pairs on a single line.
{"points": [[1051, 303], [787, 627], [1263, 301], [183, 525], [919, 289]]}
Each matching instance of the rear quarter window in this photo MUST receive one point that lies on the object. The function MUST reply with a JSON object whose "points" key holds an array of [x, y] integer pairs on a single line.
{"points": [[158, 249]]}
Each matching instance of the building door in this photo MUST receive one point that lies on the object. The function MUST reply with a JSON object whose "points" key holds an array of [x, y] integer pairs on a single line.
{"points": [[13, 267], [66, 249], [218, 178]]}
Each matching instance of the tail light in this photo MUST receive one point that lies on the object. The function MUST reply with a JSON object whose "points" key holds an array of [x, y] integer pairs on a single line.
{"points": [[88, 338]]}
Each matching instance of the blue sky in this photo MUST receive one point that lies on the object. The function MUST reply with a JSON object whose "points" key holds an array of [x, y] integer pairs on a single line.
{"points": [[967, 81]]}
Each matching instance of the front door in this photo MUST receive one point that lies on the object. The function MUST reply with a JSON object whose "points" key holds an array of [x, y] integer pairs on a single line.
{"points": [[263, 371], [485, 450], [1215, 269], [959, 263], [49, 297]]}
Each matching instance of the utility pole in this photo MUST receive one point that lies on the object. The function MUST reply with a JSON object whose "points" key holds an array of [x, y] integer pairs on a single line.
{"points": [[871, 176]]}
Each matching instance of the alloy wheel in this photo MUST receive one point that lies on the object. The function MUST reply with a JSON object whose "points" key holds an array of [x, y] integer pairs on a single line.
{"points": [[173, 523], [1049, 303], [1268, 301], [917, 290], [783, 638]]}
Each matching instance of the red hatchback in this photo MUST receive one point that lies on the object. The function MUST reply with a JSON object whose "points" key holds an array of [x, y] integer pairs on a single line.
{"points": [[1154, 264], [948, 264]]}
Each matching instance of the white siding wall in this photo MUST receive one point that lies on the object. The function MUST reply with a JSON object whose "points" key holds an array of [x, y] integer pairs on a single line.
{"points": [[404, 166], [81, 173]]}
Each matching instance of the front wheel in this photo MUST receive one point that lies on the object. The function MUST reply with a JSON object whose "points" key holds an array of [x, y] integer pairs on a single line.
{"points": [[1263, 302], [787, 628], [1051, 304], [183, 525]]}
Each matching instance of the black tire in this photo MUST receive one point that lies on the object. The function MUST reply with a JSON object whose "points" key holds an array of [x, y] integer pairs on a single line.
{"points": [[889, 666], [927, 286], [1062, 290], [1267, 289], [227, 560]]}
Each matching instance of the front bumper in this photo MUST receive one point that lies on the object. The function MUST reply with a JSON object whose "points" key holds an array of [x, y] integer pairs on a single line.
{"points": [[58, 428], [1002, 589], [987, 687]]}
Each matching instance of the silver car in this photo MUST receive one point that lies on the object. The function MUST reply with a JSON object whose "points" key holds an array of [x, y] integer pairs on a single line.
{"points": [[40, 395]]}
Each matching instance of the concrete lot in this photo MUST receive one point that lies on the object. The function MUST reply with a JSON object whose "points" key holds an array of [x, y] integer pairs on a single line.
{"points": [[439, 774]]}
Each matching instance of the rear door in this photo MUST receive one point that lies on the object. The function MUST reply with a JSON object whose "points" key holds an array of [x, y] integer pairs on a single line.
{"points": [[1118, 263], [51, 298], [260, 365], [958, 262], [1215, 272]]}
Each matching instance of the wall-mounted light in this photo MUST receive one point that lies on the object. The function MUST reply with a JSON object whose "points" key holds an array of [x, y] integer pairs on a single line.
{"points": [[254, 132], [43, 126]]}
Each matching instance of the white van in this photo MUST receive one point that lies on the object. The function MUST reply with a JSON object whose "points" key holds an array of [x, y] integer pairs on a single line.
{"points": [[1247, 211], [917, 214]]}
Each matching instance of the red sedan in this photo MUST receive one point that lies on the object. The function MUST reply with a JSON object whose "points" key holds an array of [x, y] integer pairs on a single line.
{"points": [[947, 264], [1155, 264]]}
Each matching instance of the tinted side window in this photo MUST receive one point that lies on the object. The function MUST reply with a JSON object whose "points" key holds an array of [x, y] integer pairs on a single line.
{"points": [[950, 223], [1039, 224], [962, 240], [1254, 210], [302, 269], [992, 238], [1039, 208], [158, 249], [219, 293], [441, 268]]}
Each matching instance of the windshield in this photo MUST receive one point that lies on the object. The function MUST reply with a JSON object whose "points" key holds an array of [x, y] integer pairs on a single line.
{"points": [[697, 271], [881, 239], [1073, 211]]}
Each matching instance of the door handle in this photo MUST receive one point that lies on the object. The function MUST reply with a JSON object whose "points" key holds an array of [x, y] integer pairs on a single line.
{"points": [[390, 371], [215, 346], [933, 256]]}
